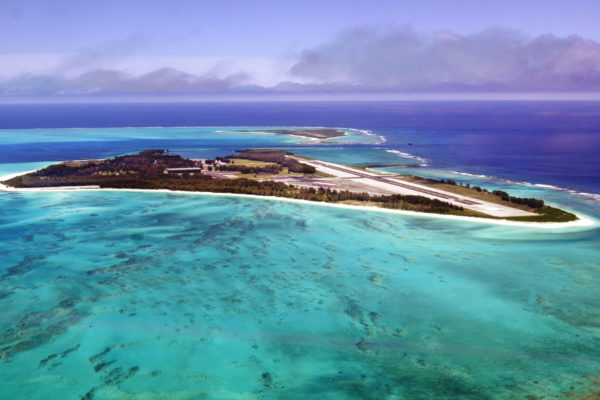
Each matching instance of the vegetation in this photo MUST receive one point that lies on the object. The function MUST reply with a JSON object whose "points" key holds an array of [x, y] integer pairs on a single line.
{"points": [[146, 170], [545, 213], [548, 214], [276, 157], [144, 165], [272, 169], [203, 183], [530, 202], [149, 170]]}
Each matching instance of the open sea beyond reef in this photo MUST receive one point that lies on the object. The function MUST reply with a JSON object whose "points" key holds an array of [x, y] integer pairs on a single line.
{"points": [[123, 295]]}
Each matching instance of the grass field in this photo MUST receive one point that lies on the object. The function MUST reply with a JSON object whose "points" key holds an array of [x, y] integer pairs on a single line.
{"points": [[250, 163], [465, 191]]}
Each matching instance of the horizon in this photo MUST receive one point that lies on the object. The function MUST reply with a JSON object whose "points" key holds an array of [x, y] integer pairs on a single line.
{"points": [[450, 97]]}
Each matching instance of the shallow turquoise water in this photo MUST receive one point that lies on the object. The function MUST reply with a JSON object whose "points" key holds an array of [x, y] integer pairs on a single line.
{"points": [[119, 295], [137, 294]]}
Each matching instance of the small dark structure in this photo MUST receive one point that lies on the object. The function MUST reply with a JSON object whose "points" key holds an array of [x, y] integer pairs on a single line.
{"points": [[180, 171]]}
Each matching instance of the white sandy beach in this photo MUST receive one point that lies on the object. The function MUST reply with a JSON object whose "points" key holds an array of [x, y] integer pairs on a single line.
{"points": [[582, 221], [312, 139]]}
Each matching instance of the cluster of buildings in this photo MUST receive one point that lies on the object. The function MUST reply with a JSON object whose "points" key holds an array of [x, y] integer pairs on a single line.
{"points": [[203, 166]]}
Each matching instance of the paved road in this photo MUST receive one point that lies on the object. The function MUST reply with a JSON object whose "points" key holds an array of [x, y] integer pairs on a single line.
{"points": [[396, 183], [372, 179]]}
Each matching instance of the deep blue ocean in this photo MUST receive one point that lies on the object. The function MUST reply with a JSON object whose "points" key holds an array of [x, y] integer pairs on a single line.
{"points": [[553, 143], [137, 295]]}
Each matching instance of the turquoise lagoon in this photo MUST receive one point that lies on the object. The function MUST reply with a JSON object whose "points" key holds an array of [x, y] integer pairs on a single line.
{"points": [[129, 295]]}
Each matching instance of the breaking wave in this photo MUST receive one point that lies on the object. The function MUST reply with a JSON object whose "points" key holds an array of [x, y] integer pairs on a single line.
{"points": [[423, 162]]}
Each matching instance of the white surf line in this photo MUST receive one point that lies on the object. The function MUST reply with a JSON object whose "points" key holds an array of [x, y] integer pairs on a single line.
{"points": [[423, 161], [582, 221], [593, 196], [367, 132]]}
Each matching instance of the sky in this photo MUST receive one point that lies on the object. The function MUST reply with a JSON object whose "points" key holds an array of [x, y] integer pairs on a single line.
{"points": [[262, 48]]}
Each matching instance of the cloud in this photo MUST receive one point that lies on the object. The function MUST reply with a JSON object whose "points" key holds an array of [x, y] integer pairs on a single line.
{"points": [[493, 60], [103, 55], [362, 60], [161, 81]]}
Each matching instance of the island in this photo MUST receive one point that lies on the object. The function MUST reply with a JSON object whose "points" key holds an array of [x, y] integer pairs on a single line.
{"points": [[311, 133], [278, 173]]}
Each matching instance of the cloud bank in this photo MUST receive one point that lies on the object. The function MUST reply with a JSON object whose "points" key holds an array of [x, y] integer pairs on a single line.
{"points": [[495, 59], [161, 81], [363, 60]]}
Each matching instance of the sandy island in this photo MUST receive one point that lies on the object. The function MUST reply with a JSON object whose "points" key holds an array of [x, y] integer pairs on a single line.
{"points": [[582, 221]]}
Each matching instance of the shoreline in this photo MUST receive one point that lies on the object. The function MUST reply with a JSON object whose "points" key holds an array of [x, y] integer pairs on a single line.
{"points": [[313, 139], [581, 221]]}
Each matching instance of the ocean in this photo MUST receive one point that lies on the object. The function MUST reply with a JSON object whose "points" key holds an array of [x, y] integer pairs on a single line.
{"points": [[120, 295]]}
